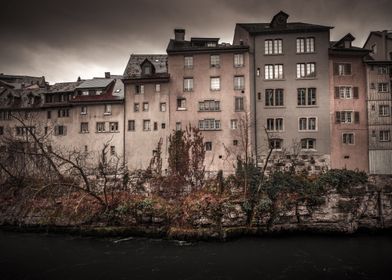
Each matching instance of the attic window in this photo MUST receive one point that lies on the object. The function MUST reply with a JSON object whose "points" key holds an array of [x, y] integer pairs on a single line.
{"points": [[211, 44], [117, 90], [147, 70]]}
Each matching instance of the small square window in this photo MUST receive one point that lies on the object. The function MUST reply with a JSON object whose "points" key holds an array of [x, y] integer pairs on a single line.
{"points": [[208, 146]]}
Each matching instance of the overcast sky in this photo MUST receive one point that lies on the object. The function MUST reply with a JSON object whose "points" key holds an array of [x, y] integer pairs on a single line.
{"points": [[62, 41]]}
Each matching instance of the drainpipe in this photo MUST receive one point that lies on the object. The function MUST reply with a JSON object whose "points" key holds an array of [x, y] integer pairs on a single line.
{"points": [[254, 96], [124, 121]]}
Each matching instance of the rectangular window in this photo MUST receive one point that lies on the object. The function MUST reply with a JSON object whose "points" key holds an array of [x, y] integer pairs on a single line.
{"points": [[155, 125], [131, 125], [146, 125], [181, 104], [273, 71], [275, 124], [383, 87], [276, 143], [348, 138], [188, 62], [345, 92], [274, 97], [239, 82], [306, 70], [162, 107], [385, 135], [157, 87], [1, 130], [310, 45], [145, 106], [306, 45], [234, 124], [188, 84], [342, 69], [49, 114], [60, 130], [384, 111], [100, 126], [300, 45], [139, 89], [215, 60], [209, 124], [62, 113], [382, 70], [268, 47], [112, 150], [308, 144], [273, 46], [108, 109], [208, 146], [239, 104], [83, 110], [113, 126], [238, 60], [306, 97], [307, 124], [209, 105], [136, 107], [84, 127], [5, 115], [163, 125], [178, 126], [215, 83], [346, 116]]}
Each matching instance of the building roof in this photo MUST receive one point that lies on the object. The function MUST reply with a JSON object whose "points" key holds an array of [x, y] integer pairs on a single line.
{"points": [[341, 46], [95, 83], [63, 87], [19, 82], [290, 27], [194, 45], [133, 69]]}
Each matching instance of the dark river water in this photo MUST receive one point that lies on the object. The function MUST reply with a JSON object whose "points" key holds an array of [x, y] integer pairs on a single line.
{"points": [[41, 256]]}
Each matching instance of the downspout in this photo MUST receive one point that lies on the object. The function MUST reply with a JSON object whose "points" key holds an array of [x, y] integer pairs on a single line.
{"points": [[124, 121], [254, 96]]}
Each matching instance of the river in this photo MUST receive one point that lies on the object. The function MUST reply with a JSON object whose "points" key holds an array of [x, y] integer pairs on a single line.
{"points": [[46, 256]]}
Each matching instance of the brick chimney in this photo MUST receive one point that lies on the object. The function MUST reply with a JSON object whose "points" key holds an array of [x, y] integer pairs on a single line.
{"points": [[107, 75], [179, 34]]}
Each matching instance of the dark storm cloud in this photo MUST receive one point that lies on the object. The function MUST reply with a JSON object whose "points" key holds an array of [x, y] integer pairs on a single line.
{"points": [[86, 38]]}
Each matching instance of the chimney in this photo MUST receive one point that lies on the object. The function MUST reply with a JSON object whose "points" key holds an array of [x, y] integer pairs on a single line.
{"points": [[107, 75], [179, 34]]}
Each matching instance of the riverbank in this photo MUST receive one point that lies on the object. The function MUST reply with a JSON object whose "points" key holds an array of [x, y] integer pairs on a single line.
{"points": [[207, 214]]}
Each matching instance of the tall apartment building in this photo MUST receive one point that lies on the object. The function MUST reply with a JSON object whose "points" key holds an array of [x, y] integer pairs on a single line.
{"points": [[210, 89], [379, 104], [289, 87], [349, 133], [146, 113]]}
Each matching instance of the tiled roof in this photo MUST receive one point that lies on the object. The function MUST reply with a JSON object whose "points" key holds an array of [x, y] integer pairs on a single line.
{"points": [[19, 82], [266, 28], [133, 70], [64, 87], [95, 83]]}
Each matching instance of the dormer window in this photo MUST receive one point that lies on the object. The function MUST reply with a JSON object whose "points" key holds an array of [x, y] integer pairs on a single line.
{"points": [[147, 70], [147, 67], [211, 44]]}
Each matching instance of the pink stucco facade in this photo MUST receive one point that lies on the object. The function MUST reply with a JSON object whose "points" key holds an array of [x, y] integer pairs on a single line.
{"points": [[349, 133]]}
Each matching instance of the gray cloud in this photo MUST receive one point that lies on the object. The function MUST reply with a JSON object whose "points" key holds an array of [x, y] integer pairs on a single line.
{"points": [[85, 38]]}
